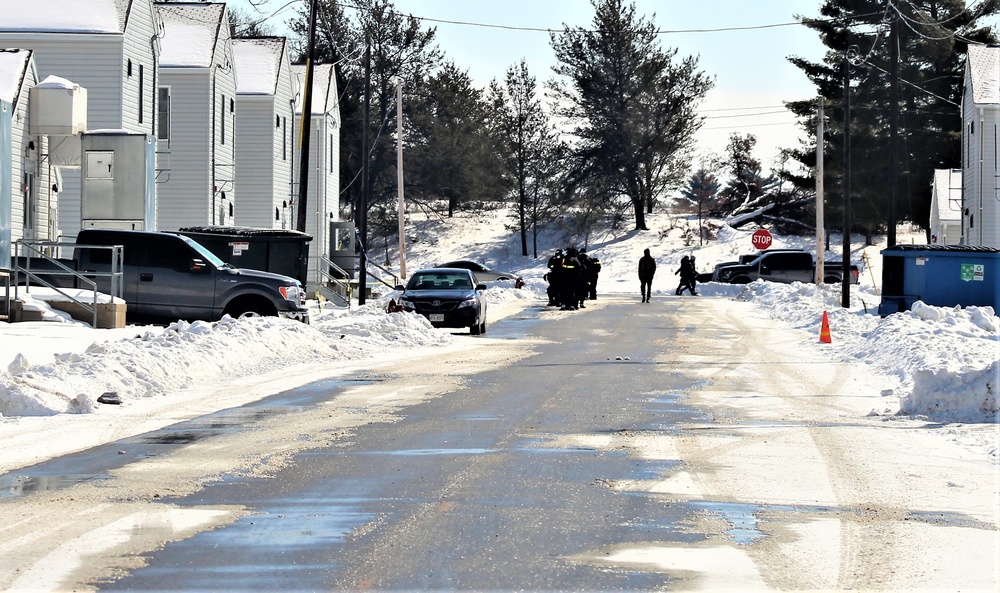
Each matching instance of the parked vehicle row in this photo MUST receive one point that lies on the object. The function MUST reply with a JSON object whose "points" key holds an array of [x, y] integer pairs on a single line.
{"points": [[791, 265], [447, 297], [481, 272], [168, 276]]}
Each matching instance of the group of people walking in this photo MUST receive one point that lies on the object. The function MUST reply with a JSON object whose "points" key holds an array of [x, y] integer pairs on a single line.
{"points": [[647, 269], [572, 279]]}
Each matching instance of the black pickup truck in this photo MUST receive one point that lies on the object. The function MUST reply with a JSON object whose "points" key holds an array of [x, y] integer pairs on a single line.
{"points": [[782, 266], [167, 276]]}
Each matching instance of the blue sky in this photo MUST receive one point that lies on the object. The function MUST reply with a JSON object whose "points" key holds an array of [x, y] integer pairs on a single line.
{"points": [[752, 74], [750, 66]]}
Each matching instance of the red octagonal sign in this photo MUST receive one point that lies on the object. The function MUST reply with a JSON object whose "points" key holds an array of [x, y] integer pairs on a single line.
{"points": [[761, 239]]}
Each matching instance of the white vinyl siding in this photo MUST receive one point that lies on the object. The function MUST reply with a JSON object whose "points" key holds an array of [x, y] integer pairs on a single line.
{"points": [[199, 188], [980, 175], [256, 161], [184, 192], [138, 47], [324, 164], [264, 147], [97, 62]]}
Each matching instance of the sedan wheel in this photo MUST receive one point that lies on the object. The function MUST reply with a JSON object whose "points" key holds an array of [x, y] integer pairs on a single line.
{"points": [[476, 329]]}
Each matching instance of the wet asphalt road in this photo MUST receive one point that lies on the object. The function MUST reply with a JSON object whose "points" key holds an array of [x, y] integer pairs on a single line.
{"points": [[466, 492]]}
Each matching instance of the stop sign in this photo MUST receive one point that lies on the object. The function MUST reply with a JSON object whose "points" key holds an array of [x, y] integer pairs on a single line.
{"points": [[761, 239]]}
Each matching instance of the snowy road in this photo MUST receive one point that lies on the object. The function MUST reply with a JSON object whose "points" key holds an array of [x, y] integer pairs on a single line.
{"points": [[678, 445]]}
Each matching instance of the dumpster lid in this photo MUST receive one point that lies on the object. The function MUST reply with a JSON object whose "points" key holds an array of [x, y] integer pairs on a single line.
{"points": [[944, 248], [242, 231]]}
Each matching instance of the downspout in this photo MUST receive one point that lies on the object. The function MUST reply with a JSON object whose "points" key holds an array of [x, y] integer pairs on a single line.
{"points": [[212, 144], [982, 170]]}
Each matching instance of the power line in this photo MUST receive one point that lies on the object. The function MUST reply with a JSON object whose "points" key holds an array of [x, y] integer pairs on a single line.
{"points": [[742, 108], [740, 127], [746, 114], [559, 30]]}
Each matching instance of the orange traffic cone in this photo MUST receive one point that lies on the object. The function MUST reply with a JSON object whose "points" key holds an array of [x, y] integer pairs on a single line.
{"points": [[824, 332]]}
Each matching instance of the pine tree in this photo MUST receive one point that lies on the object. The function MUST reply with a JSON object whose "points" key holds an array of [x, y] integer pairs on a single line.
{"points": [[452, 154], [933, 36], [701, 193], [632, 105]]}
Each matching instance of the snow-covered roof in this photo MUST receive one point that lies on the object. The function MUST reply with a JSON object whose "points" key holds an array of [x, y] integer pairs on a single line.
{"points": [[948, 194], [190, 32], [13, 66], [324, 85], [984, 71], [258, 63], [64, 16]]}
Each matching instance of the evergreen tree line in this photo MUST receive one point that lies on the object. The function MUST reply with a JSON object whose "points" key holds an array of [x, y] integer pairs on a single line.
{"points": [[610, 136]]}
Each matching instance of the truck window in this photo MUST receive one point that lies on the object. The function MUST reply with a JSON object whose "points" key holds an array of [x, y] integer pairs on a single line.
{"points": [[205, 254], [130, 251], [168, 252]]}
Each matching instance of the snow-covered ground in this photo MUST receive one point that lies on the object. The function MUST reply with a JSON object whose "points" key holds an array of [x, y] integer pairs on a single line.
{"points": [[944, 362]]}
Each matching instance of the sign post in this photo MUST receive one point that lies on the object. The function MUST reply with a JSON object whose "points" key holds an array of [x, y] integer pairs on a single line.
{"points": [[761, 239]]}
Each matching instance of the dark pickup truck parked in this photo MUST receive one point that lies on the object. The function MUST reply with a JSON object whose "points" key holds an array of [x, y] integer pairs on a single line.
{"points": [[744, 259], [783, 266], [167, 276]]}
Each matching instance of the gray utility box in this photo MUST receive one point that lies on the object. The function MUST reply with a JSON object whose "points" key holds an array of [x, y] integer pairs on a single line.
{"points": [[939, 275], [118, 173], [270, 250]]}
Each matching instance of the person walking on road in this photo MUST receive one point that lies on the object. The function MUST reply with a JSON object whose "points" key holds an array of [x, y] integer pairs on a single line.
{"points": [[647, 268], [688, 276]]}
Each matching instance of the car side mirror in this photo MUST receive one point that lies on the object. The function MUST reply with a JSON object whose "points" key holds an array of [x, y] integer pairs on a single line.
{"points": [[480, 287], [399, 287]]}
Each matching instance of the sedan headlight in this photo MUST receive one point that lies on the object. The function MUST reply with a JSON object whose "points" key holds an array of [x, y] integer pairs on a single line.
{"points": [[407, 305], [468, 303]]}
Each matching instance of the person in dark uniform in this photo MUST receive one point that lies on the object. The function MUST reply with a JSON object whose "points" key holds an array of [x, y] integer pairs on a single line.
{"points": [[570, 281], [687, 274], [582, 288], [647, 268], [555, 269], [593, 271]]}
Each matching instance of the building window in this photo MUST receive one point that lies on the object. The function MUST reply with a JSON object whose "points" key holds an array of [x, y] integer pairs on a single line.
{"points": [[163, 114], [284, 139], [329, 149]]}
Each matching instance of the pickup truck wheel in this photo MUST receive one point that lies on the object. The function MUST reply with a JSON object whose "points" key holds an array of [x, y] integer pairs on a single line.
{"points": [[244, 308], [831, 280], [740, 280]]}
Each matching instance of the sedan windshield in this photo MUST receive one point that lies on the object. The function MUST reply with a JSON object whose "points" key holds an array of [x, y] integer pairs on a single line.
{"points": [[439, 281]]}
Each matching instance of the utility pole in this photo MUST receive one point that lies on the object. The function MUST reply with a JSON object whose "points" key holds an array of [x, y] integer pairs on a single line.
{"points": [[893, 120], [399, 178], [361, 215], [819, 193], [302, 212], [845, 284]]}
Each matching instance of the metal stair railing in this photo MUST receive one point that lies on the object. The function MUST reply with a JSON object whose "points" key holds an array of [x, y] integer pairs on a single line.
{"points": [[35, 250], [395, 278], [5, 313], [330, 285]]}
